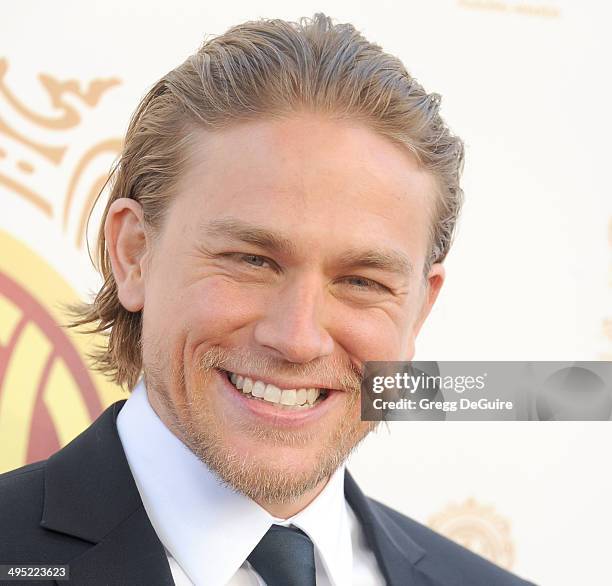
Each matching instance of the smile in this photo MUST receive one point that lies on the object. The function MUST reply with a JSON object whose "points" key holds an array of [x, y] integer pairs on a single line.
{"points": [[303, 398]]}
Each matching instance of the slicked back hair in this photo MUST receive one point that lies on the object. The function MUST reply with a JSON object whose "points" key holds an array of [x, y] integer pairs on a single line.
{"points": [[266, 68]]}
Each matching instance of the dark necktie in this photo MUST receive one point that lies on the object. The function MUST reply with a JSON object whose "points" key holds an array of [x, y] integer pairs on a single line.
{"points": [[284, 557]]}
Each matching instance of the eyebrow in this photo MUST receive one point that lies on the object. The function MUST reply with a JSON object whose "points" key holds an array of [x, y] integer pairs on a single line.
{"points": [[391, 261], [239, 230]]}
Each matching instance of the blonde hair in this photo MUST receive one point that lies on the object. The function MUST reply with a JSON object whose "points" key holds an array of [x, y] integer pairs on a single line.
{"points": [[258, 69]]}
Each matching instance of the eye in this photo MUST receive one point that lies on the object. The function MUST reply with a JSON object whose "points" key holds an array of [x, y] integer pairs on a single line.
{"points": [[254, 260], [363, 284]]}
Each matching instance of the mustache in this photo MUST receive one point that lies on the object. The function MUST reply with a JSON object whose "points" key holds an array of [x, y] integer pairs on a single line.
{"points": [[332, 373]]}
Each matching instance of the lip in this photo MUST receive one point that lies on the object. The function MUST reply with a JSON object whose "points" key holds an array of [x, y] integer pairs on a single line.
{"points": [[268, 413]]}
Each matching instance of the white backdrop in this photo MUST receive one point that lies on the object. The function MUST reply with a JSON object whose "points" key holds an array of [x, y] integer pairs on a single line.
{"points": [[529, 278]]}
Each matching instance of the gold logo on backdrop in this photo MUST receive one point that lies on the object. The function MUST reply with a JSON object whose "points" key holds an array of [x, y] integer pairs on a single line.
{"points": [[479, 528], [47, 393], [49, 165], [35, 147], [534, 9]]}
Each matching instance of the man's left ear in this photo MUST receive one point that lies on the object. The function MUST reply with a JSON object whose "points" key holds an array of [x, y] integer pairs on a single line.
{"points": [[435, 280]]}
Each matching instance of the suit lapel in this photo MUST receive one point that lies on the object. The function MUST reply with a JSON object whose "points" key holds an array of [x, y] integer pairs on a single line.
{"points": [[130, 554], [396, 552], [90, 494]]}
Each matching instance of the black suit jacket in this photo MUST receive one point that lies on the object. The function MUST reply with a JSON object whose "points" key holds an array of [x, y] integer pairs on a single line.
{"points": [[81, 507]]}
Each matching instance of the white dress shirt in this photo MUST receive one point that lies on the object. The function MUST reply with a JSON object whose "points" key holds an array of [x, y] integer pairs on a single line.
{"points": [[208, 529]]}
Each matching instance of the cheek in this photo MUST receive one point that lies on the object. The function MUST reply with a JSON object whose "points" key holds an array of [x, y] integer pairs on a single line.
{"points": [[372, 334], [215, 306]]}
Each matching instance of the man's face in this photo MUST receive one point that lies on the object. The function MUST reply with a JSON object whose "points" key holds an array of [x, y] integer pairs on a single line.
{"points": [[292, 253]]}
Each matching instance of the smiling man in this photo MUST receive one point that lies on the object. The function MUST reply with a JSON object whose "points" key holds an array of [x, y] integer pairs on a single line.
{"points": [[278, 217]]}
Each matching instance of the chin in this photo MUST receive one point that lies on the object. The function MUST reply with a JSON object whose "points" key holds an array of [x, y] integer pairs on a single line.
{"points": [[269, 475], [297, 461]]}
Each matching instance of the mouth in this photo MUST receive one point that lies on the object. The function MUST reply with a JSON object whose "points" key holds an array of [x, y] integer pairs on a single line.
{"points": [[293, 399], [267, 404]]}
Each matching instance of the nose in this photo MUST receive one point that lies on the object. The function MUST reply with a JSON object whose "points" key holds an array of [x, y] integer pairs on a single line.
{"points": [[293, 325]]}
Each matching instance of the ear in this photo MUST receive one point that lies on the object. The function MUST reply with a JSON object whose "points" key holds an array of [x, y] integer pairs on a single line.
{"points": [[431, 289], [126, 244]]}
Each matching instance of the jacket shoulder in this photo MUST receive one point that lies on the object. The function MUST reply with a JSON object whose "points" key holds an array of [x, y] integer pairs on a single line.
{"points": [[21, 508], [448, 561]]}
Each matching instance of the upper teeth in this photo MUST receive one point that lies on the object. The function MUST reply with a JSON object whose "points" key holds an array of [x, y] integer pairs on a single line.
{"points": [[273, 394]]}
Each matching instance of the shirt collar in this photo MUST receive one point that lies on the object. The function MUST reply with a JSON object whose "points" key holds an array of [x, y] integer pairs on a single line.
{"points": [[209, 528]]}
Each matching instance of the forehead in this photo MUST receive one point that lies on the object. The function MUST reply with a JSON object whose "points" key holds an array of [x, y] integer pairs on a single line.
{"points": [[308, 176]]}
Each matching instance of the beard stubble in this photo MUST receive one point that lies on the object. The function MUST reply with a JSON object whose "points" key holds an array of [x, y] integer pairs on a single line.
{"points": [[192, 420]]}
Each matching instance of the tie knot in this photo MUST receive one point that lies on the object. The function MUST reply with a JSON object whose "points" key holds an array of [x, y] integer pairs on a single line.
{"points": [[285, 555]]}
